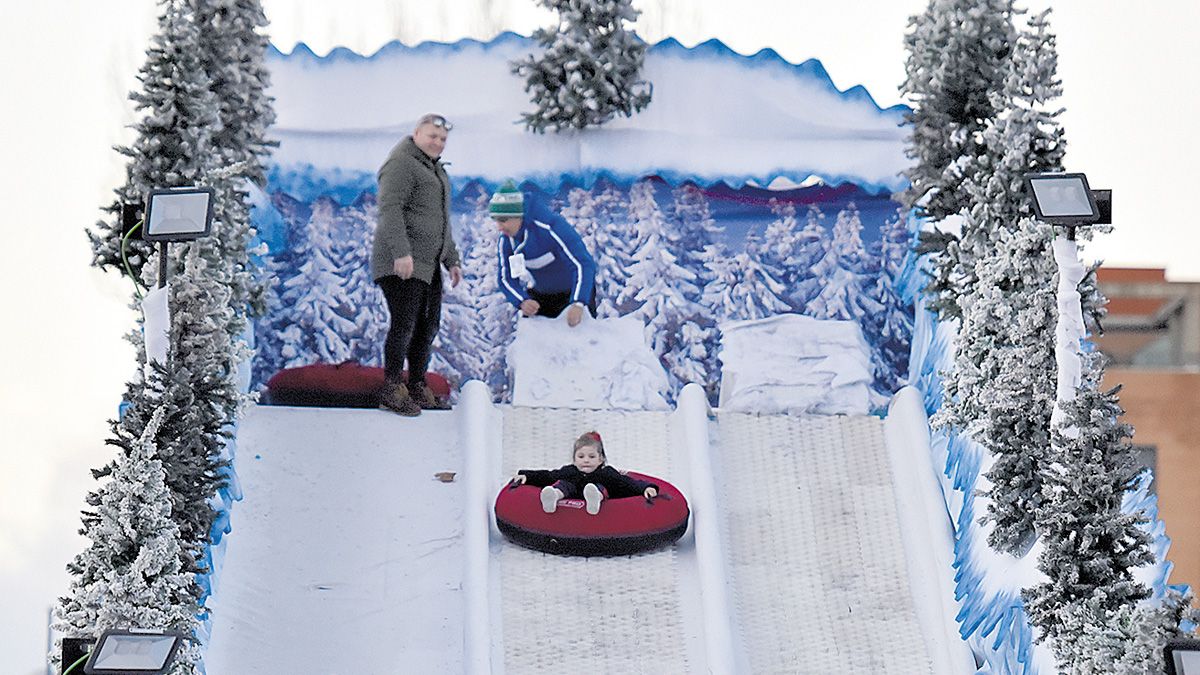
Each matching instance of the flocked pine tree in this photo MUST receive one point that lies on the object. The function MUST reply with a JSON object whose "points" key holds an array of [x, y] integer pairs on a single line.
{"points": [[200, 397], [958, 53], [1001, 389], [589, 70], [1023, 137], [130, 576], [173, 147], [1090, 545], [233, 51]]}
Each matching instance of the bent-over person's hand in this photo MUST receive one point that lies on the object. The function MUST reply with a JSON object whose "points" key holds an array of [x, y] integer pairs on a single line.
{"points": [[403, 267], [574, 315], [529, 307], [455, 276]]}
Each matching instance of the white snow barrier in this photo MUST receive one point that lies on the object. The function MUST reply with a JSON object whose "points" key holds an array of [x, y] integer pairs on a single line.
{"points": [[599, 364], [817, 567], [795, 364]]}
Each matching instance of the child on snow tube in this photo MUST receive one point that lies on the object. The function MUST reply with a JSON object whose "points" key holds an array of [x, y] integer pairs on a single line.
{"points": [[589, 476]]}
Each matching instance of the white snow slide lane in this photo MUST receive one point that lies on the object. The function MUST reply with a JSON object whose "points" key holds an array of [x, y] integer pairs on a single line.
{"points": [[818, 571], [625, 614], [346, 555]]}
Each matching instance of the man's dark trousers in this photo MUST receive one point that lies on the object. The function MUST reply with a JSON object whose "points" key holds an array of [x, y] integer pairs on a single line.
{"points": [[416, 310]]}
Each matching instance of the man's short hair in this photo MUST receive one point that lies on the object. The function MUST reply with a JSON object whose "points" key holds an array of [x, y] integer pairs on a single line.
{"points": [[436, 120]]}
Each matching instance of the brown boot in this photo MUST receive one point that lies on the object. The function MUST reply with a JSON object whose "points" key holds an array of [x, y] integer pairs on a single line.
{"points": [[425, 398], [395, 398]]}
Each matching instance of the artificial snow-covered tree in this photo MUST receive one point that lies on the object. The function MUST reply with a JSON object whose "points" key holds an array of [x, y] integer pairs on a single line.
{"points": [[131, 575], [1090, 544], [958, 58], [233, 52], [201, 400], [589, 70], [1001, 389], [179, 115], [1023, 137]]}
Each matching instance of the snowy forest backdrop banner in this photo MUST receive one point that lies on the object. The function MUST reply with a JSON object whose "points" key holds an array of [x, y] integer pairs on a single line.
{"points": [[675, 244]]}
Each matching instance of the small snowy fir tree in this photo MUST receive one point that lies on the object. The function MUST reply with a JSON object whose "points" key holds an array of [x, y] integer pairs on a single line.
{"points": [[1001, 389], [958, 57], [741, 288], [173, 146], [589, 70], [782, 246], [843, 295], [201, 400], [365, 305], [130, 576], [693, 236], [1090, 545]]}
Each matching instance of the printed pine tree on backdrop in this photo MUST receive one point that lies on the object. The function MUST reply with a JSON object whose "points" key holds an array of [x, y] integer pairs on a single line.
{"points": [[843, 293], [889, 330], [811, 246], [958, 53], [589, 70], [661, 288], [1001, 389], [131, 575], [174, 133]]}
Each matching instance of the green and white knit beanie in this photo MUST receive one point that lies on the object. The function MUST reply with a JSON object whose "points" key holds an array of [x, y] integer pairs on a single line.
{"points": [[507, 202]]}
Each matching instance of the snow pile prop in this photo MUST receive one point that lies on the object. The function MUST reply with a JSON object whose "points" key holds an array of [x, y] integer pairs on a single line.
{"points": [[795, 364], [598, 364]]}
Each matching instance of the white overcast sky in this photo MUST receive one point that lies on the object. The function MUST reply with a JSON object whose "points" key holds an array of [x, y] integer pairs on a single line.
{"points": [[1129, 71]]}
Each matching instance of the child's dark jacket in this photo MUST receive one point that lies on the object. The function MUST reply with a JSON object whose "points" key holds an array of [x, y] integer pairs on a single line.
{"points": [[618, 484]]}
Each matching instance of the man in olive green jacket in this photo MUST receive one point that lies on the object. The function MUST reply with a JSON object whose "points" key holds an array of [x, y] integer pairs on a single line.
{"points": [[412, 243]]}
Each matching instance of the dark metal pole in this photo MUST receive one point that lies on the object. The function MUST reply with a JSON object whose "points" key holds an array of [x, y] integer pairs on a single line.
{"points": [[162, 264]]}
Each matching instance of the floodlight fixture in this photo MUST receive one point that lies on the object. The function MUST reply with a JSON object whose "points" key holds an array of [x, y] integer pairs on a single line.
{"points": [[178, 214], [1182, 657], [133, 651], [1066, 199]]}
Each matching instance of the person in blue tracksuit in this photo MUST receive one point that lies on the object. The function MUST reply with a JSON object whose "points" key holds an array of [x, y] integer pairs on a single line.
{"points": [[544, 267]]}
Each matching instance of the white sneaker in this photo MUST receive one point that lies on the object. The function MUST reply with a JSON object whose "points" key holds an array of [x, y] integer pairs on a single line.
{"points": [[591, 495], [550, 497]]}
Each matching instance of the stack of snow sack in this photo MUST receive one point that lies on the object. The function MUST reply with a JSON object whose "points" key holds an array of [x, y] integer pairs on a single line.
{"points": [[601, 364], [795, 364]]}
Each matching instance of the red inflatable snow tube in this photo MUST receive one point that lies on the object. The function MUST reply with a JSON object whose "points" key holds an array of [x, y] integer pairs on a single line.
{"points": [[623, 526], [342, 385]]}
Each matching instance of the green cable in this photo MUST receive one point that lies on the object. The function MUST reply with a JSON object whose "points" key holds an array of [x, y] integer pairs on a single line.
{"points": [[81, 660], [128, 270]]}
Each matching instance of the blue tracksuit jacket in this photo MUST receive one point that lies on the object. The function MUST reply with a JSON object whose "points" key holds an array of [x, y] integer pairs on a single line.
{"points": [[554, 255]]}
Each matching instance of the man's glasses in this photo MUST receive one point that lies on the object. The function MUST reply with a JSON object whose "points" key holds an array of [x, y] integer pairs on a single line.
{"points": [[437, 121]]}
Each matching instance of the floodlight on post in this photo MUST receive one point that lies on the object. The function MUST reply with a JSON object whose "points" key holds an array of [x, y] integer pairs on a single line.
{"points": [[176, 214], [1182, 657], [130, 651], [1066, 200]]}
